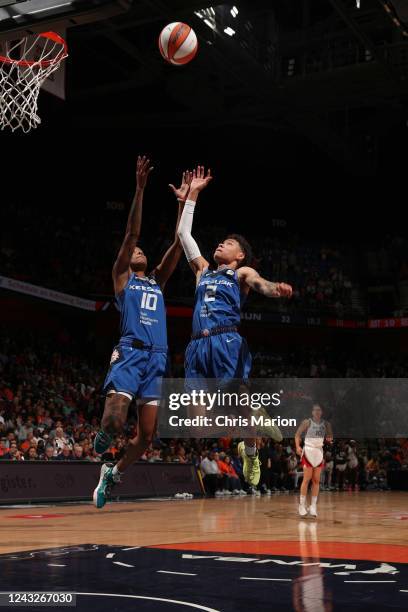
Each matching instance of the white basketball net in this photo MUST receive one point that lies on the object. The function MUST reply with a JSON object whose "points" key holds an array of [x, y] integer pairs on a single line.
{"points": [[24, 66]]}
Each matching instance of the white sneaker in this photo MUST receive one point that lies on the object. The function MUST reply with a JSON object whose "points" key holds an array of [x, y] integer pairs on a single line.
{"points": [[235, 492], [313, 511], [242, 492], [219, 494], [268, 492], [302, 510], [226, 492]]}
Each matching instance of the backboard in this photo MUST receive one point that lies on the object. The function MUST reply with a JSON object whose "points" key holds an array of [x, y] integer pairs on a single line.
{"points": [[17, 18]]}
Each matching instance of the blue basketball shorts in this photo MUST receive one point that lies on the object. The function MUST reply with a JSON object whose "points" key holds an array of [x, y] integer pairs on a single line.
{"points": [[136, 372], [223, 357]]}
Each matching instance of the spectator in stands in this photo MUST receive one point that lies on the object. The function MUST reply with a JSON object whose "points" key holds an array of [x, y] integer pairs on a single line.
{"points": [[147, 455], [341, 465], [232, 481], [45, 419], [212, 477], [156, 456], [48, 392], [352, 464], [327, 472], [60, 440], [13, 453], [49, 453], [86, 447], [23, 428], [236, 463], [28, 442], [78, 454], [292, 470], [372, 468], [3, 446], [180, 456], [11, 437], [65, 454], [31, 454], [394, 459]]}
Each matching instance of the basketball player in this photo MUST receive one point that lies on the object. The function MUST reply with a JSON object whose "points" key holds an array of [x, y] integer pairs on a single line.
{"points": [[315, 431], [216, 349], [139, 361]]}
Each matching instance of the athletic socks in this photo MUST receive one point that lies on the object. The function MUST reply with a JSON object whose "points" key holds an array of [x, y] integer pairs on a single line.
{"points": [[314, 501], [116, 474], [302, 500]]}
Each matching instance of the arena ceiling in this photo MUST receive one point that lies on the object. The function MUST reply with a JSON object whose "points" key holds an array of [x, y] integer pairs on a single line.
{"points": [[324, 68], [335, 74]]}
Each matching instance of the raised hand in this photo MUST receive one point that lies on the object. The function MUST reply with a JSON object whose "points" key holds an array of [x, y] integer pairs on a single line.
{"points": [[182, 192], [200, 180], [143, 169], [284, 290]]}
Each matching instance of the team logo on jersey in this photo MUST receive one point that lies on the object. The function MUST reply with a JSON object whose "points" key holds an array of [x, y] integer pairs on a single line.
{"points": [[152, 281], [230, 272], [115, 356]]}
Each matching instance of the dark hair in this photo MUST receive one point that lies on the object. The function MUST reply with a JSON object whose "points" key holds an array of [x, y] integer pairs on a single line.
{"points": [[246, 248]]}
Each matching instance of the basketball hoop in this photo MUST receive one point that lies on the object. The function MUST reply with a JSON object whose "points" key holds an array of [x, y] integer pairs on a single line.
{"points": [[24, 66]]}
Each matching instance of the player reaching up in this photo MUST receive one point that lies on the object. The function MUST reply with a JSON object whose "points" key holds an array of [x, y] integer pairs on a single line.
{"points": [[139, 361], [216, 349]]}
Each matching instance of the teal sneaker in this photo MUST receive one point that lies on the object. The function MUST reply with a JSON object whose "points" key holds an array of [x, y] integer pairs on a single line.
{"points": [[106, 482], [102, 442]]}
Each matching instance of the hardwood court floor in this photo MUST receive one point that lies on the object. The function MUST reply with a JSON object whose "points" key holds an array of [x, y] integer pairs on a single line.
{"points": [[376, 524], [215, 555]]}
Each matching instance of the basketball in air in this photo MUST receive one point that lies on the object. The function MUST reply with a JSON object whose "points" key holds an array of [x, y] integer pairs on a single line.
{"points": [[178, 43]]}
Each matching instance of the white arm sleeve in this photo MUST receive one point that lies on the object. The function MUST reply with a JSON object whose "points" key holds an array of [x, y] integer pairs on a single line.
{"points": [[184, 232]]}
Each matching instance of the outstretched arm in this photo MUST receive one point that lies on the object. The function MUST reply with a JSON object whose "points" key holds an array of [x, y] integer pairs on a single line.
{"points": [[191, 250], [172, 256], [120, 272], [254, 281]]}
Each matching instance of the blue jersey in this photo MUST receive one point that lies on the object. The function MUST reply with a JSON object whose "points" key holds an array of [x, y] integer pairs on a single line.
{"points": [[218, 300], [142, 312]]}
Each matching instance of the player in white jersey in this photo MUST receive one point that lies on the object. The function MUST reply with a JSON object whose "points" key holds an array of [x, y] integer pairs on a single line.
{"points": [[315, 432]]}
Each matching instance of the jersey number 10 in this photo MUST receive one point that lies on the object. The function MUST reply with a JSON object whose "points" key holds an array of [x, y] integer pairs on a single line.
{"points": [[149, 301]]}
